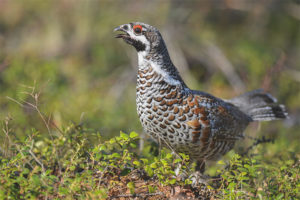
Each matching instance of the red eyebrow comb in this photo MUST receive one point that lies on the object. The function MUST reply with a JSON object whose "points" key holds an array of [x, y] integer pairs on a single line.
{"points": [[137, 26]]}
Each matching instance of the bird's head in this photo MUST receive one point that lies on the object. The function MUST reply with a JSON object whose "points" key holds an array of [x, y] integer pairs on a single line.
{"points": [[142, 36], [151, 49]]}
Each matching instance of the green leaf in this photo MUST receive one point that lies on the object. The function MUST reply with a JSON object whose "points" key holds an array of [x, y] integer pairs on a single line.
{"points": [[133, 145], [72, 168], [36, 179], [169, 156], [124, 135], [112, 141], [25, 171], [172, 181], [149, 171], [63, 191], [247, 166], [244, 173], [153, 165], [145, 161], [102, 148], [116, 155], [151, 189], [221, 162], [133, 134], [279, 196], [125, 172], [136, 163], [231, 185], [209, 187], [164, 162], [131, 187], [188, 182]]}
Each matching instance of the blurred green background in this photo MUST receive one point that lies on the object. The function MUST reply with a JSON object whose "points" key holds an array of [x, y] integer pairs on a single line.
{"points": [[66, 50]]}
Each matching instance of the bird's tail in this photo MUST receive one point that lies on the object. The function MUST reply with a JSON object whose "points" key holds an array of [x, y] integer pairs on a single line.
{"points": [[260, 106]]}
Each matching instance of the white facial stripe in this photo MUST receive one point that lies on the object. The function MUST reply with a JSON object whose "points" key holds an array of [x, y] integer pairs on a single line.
{"points": [[143, 62], [166, 76], [141, 38]]}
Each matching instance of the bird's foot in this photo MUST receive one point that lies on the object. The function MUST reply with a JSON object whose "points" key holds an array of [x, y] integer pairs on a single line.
{"points": [[180, 174], [198, 178]]}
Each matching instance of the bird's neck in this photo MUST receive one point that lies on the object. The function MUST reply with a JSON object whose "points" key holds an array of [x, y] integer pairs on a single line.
{"points": [[159, 59]]}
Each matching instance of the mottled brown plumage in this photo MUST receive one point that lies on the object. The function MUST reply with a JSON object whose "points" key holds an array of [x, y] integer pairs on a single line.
{"points": [[188, 121]]}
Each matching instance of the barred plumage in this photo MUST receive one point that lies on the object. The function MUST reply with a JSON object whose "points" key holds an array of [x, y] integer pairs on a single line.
{"points": [[185, 120]]}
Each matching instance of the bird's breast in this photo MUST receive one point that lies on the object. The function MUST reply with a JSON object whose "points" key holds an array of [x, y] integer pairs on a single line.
{"points": [[182, 119]]}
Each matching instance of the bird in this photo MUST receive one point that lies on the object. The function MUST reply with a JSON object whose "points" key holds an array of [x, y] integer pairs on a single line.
{"points": [[188, 121]]}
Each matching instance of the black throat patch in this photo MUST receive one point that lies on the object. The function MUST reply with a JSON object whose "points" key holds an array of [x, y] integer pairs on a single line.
{"points": [[139, 46]]}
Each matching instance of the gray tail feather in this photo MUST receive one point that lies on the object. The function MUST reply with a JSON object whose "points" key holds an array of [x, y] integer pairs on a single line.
{"points": [[260, 106]]}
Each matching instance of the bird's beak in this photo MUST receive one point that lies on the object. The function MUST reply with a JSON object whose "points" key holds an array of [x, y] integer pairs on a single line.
{"points": [[118, 29], [121, 35]]}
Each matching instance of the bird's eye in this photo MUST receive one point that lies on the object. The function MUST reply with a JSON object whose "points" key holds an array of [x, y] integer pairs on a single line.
{"points": [[137, 29]]}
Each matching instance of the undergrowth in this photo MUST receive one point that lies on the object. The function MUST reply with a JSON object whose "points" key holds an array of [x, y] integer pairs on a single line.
{"points": [[67, 166], [77, 163]]}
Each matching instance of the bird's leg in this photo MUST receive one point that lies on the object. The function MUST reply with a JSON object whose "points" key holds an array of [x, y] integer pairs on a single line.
{"points": [[180, 173], [200, 166], [142, 141], [198, 176], [177, 170]]}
